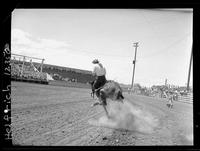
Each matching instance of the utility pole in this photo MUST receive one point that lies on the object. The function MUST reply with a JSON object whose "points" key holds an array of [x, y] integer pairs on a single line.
{"points": [[188, 82], [134, 62], [165, 82]]}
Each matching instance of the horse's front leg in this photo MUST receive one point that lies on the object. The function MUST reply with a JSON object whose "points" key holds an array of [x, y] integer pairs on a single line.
{"points": [[102, 99], [93, 91], [92, 95], [104, 106]]}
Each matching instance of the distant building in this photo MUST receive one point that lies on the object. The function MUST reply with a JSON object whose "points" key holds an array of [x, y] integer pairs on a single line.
{"points": [[137, 88]]}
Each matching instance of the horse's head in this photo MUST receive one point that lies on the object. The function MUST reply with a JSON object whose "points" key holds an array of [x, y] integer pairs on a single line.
{"points": [[120, 97]]}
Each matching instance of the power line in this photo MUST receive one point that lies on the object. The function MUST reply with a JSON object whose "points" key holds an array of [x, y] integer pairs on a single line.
{"points": [[97, 53], [167, 48], [154, 31], [150, 25], [126, 57]]}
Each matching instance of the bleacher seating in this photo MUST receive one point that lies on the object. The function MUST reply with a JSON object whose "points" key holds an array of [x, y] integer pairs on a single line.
{"points": [[28, 72], [58, 73], [69, 74]]}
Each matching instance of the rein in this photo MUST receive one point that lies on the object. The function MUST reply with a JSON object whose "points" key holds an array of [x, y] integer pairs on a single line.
{"points": [[98, 88]]}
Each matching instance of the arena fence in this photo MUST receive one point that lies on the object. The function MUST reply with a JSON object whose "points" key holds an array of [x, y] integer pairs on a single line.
{"points": [[186, 98]]}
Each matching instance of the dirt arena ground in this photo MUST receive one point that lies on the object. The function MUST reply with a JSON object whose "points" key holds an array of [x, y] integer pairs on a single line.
{"points": [[47, 115]]}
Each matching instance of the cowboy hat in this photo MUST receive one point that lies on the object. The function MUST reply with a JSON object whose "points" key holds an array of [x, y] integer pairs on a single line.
{"points": [[95, 61]]}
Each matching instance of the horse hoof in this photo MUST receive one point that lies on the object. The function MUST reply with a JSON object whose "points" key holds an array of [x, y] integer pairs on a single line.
{"points": [[97, 103], [109, 117], [101, 103]]}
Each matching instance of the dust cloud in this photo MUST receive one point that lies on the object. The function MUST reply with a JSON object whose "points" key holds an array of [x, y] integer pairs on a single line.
{"points": [[128, 117]]}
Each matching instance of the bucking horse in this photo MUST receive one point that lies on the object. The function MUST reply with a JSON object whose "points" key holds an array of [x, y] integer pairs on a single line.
{"points": [[110, 90]]}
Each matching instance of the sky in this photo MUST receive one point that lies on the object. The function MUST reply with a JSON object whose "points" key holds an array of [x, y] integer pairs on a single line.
{"points": [[74, 37]]}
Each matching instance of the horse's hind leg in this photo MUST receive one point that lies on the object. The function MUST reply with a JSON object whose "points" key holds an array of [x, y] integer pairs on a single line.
{"points": [[103, 102]]}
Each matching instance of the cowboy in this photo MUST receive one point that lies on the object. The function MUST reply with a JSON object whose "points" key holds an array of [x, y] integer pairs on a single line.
{"points": [[100, 75]]}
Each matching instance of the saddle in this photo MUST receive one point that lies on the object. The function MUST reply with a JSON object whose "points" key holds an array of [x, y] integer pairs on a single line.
{"points": [[101, 86], [98, 89]]}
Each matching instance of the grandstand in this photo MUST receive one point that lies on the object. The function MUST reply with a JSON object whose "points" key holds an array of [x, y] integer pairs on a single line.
{"points": [[23, 69], [68, 74], [30, 69]]}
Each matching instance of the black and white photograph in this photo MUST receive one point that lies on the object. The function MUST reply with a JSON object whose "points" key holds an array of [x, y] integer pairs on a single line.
{"points": [[102, 77]]}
